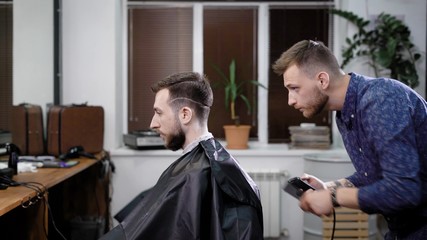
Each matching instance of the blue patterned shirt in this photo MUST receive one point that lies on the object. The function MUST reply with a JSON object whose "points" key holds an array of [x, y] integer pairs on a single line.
{"points": [[383, 124]]}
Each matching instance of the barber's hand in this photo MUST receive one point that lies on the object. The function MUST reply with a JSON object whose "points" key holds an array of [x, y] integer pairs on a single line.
{"points": [[317, 202], [313, 181]]}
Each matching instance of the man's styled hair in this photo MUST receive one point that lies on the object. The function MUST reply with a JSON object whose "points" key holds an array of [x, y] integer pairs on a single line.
{"points": [[310, 56], [188, 89]]}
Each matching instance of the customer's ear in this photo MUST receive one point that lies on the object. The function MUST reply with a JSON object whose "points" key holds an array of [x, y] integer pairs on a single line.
{"points": [[185, 115]]}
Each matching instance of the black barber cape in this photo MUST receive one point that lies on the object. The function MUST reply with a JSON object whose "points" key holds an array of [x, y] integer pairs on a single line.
{"points": [[202, 195]]}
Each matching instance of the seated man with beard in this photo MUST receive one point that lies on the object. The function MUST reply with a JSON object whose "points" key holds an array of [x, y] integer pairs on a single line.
{"points": [[204, 194]]}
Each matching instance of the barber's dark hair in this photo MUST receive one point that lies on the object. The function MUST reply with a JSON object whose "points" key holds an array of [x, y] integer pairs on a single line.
{"points": [[188, 89], [308, 55]]}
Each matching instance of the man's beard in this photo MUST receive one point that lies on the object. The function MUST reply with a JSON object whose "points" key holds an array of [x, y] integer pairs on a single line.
{"points": [[317, 105], [176, 140]]}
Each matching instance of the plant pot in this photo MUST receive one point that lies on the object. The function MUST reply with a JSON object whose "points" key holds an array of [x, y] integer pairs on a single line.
{"points": [[237, 137]]}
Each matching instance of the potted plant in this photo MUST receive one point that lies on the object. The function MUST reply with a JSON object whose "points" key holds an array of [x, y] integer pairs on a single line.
{"points": [[236, 135], [387, 46]]}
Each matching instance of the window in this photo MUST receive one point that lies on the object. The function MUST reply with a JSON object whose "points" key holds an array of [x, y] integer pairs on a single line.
{"points": [[313, 23], [221, 44], [165, 38], [6, 25], [160, 44]]}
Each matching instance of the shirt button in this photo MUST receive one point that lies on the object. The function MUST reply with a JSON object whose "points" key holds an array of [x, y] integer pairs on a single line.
{"points": [[360, 149], [366, 174], [352, 115]]}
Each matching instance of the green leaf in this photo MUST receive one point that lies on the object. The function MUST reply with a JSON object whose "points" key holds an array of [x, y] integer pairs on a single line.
{"points": [[388, 45], [417, 56], [234, 89], [246, 101]]}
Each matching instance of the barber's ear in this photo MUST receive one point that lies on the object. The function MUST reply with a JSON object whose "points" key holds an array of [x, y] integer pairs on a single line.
{"points": [[185, 115], [323, 80]]}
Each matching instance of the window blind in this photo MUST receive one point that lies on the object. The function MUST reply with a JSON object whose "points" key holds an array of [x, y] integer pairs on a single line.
{"points": [[160, 44]]}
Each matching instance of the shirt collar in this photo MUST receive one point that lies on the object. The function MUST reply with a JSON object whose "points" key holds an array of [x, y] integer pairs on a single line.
{"points": [[194, 143], [349, 108]]}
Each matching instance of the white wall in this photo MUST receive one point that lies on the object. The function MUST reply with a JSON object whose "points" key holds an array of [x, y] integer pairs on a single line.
{"points": [[33, 52], [91, 60]]}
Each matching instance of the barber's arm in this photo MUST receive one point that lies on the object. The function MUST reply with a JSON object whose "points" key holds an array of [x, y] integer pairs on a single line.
{"points": [[335, 193], [343, 193]]}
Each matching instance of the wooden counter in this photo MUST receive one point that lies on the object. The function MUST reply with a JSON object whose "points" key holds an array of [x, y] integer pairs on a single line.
{"points": [[13, 197], [24, 216]]}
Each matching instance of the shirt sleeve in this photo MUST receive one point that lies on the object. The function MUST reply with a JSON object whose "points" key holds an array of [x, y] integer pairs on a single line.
{"points": [[356, 179], [385, 115]]}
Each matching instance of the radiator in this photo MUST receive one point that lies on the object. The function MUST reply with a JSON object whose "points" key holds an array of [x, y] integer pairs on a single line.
{"points": [[269, 183]]}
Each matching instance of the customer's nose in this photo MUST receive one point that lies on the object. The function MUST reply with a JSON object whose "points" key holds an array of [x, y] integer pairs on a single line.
{"points": [[154, 123]]}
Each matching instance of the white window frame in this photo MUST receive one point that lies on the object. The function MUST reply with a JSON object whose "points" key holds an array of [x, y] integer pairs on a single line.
{"points": [[263, 47]]}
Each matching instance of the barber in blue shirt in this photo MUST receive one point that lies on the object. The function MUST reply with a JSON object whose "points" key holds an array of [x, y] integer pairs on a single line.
{"points": [[383, 124]]}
